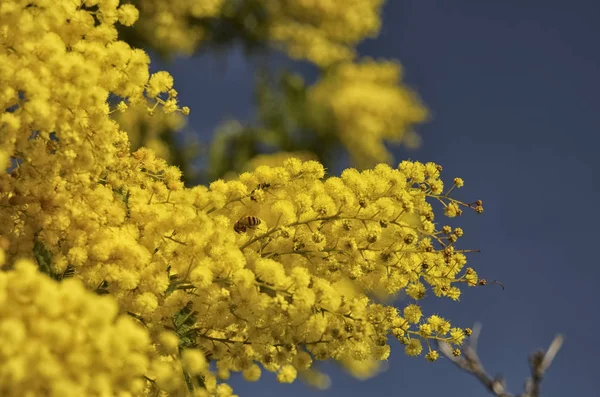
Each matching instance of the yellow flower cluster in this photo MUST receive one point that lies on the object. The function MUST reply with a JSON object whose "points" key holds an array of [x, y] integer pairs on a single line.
{"points": [[59, 63], [368, 105], [292, 286], [277, 159], [167, 25], [145, 128], [320, 247], [291, 290], [61, 340], [323, 31]]}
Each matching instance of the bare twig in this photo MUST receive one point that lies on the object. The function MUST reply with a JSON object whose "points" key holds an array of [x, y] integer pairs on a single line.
{"points": [[539, 363], [469, 362]]}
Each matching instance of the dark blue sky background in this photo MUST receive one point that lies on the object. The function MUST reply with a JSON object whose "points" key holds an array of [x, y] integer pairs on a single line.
{"points": [[513, 87]]}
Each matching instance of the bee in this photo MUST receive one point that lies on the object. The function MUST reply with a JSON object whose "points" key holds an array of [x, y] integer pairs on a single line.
{"points": [[246, 222], [69, 272]]}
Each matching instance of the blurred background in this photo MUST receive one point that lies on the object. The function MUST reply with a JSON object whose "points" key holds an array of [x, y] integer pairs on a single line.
{"points": [[511, 90]]}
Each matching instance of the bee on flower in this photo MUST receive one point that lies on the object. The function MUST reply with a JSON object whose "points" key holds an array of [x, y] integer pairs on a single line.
{"points": [[246, 222]]}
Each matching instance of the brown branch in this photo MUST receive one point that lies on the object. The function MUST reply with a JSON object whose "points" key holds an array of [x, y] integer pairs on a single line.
{"points": [[538, 364], [469, 362]]}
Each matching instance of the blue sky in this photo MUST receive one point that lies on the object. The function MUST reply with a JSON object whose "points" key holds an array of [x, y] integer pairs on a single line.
{"points": [[513, 87]]}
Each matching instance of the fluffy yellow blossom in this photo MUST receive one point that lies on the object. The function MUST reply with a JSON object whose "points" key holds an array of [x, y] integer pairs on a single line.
{"points": [[452, 210], [368, 106], [194, 362], [364, 369], [159, 82], [413, 348], [155, 130], [128, 14], [425, 330], [458, 335], [432, 355], [321, 31], [169, 342], [145, 304], [288, 241], [271, 160], [287, 374], [438, 324], [296, 287], [168, 25], [412, 313], [252, 373], [59, 339]]}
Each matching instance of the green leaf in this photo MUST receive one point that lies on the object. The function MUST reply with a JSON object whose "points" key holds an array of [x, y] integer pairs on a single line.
{"points": [[43, 258]]}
